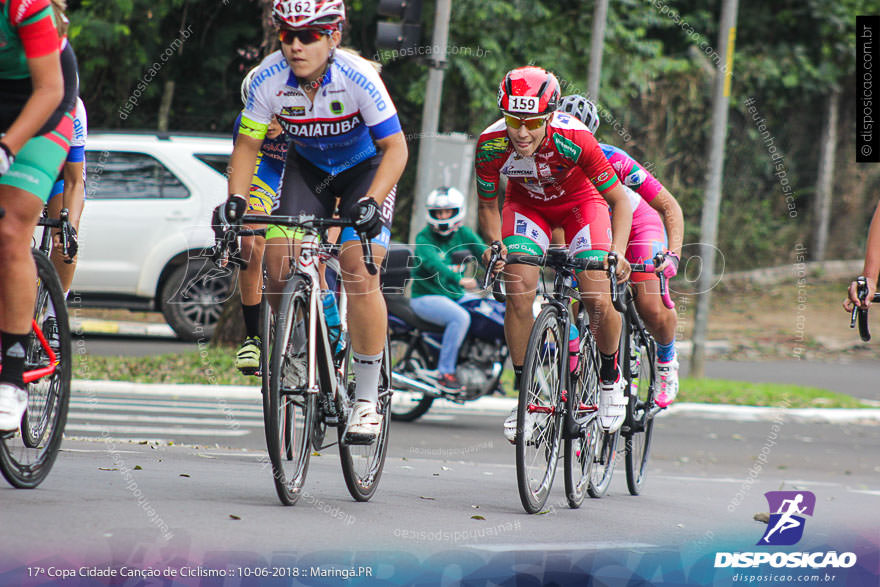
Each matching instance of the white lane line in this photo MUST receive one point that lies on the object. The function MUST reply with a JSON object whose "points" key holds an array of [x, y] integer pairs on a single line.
{"points": [[143, 430], [103, 407], [219, 404], [865, 491], [164, 420], [735, 480]]}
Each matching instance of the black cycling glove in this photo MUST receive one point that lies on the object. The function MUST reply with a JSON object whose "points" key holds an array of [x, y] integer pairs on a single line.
{"points": [[368, 220]]}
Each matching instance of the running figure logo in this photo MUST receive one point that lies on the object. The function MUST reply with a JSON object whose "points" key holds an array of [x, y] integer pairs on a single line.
{"points": [[786, 525]]}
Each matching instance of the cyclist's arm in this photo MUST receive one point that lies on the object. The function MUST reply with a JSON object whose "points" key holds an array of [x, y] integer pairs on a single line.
{"points": [[871, 269], [74, 185], [673, 218], [621, 218], [242, 163], [394, 156], [46, 96]]}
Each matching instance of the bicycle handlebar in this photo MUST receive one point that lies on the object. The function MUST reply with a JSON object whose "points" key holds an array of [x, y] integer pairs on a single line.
{"points": [[862, 313], [664, 282], [557, 259]]}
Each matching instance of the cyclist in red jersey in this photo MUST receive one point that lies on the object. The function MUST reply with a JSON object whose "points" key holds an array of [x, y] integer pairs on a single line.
{"points": [[37, 95], [871, 270], [557, 177]]}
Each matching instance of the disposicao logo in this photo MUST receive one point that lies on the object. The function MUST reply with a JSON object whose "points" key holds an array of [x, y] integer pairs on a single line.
{"points": [[786, 528]]}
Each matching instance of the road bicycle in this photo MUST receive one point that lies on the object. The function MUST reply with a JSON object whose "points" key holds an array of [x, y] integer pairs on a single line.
{"points": [[861, 314], [556, 408], [639, 350], [27, 455], [306, 386]]}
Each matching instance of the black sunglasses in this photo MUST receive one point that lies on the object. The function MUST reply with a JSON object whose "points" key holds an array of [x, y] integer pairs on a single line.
{"points": [[305, 36]]}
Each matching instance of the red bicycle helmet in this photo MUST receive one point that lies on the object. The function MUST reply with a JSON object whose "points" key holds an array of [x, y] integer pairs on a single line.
{"points": [[528, 91]]}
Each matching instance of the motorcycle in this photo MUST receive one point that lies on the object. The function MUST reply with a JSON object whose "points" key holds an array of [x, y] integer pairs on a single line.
{"points": [[415, 348]]}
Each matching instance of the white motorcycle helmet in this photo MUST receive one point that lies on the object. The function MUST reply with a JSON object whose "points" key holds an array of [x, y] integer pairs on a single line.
{"points": [[446, 198]]}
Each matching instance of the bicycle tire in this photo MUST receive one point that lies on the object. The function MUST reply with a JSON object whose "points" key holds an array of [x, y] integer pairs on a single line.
{"points": [[362, 464], [407, 406], [27, 457], [638, 439], [288, 408], [604, 460], [540, 389], [579, 449]]}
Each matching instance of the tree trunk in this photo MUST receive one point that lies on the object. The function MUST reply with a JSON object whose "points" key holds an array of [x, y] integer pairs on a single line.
{"points": [[165, 105], [270, 37], [825, 178]]}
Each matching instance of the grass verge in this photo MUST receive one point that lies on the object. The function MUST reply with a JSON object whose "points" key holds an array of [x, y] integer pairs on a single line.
{"points": [[215, 366]]}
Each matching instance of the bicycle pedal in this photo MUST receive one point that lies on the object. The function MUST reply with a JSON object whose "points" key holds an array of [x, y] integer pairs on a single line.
{"points": [[359, 439], [253, 371]]}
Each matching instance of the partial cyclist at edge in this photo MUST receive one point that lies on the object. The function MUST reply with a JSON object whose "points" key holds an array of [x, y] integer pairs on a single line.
{"points": [[871, 269], [38, 90], [347, 144], [557, 177], [262, 199], [438, 286], [657, 227]]}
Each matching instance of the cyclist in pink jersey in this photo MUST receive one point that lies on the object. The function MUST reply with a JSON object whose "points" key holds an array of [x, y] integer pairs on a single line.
{"points": [[656, 216], [557, 177]]}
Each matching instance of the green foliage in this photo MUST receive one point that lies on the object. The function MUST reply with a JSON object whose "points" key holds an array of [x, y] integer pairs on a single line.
{"points": [[658, 65]]}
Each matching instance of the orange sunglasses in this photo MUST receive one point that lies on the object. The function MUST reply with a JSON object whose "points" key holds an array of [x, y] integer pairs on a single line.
{"points": [[531, 123]]}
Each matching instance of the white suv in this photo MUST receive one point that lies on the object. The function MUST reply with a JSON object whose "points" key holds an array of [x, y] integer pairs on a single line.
{"points": [[149, 199]]}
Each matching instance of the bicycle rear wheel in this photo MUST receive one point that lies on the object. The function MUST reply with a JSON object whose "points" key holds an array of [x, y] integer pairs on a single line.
{"points": [[362, 463], [539, 414], [604, 459], [288, 407], [27, 456], [581, 445], [638, 438]]}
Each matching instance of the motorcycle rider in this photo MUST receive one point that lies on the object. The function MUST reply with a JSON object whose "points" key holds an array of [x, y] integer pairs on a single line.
{"points": [[438, 286]]}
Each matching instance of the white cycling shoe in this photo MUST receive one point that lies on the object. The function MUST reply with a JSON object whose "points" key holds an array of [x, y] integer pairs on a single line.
{"points": [[13, 403], [510, 427], [667, 382], [364, 423], [612, 404]]}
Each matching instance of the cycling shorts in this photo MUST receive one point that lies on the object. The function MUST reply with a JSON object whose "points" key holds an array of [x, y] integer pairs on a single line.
{"points": [[646, 238], [265, 185], [308, 189], [526, 226], [37, 164]]}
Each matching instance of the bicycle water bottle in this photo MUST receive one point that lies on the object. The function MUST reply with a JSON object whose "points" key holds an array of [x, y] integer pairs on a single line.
{"points": [[635, 363], [331, 316], [574, 345]]}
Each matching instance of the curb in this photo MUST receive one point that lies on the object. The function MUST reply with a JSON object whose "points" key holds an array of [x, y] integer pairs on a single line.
{"points": [[96, 326], [493, 405]]}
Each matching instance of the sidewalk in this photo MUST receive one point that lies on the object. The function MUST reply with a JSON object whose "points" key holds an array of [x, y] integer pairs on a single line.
{"points": [[490, 405]]}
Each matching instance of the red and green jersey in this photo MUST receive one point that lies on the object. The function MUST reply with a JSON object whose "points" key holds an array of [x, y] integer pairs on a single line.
{"points": [[27, 31], [569, 163]]}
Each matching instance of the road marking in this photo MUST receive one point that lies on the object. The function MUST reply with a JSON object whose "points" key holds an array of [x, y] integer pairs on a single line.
{"points": [[231, 422], [154, 430], [569, 546], [140, 407]]}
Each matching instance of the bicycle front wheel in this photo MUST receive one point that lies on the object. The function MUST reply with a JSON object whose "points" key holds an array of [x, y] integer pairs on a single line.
{"points": [[26, 457], [539, 411], [288, 406], [638, 439], [362, 463], [581, 443], [407, 406]]}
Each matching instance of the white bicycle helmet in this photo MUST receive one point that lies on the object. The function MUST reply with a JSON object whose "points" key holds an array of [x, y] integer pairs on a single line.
{"points": [[315, 13], [246, 85], [446, 198], [583, 109]]}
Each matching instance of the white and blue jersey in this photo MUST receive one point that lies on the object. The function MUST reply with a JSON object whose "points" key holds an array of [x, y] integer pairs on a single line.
{"points": [[337, 130], [77, 153]]}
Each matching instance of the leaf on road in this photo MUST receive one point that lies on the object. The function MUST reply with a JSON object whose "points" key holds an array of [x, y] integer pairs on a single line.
{"points": [[445, 468], [315, 453], [184, 474], [206, 456], [476, 507], [428, 498], [138, 468], [234, 517], [436, 474], [144, 442], [107, 469], [542, 512], [762, 517], [477, 517]]}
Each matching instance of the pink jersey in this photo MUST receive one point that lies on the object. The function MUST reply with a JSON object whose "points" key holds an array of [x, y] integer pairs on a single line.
{"points": [[569, 164], [633, 175]]}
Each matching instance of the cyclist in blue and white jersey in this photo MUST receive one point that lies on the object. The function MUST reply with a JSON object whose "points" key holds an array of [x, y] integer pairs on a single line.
{"points": [[347, 144], [69, 191]]}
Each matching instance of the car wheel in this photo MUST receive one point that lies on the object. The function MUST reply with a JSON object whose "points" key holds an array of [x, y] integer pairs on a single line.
{"points": [[192, 299]]}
